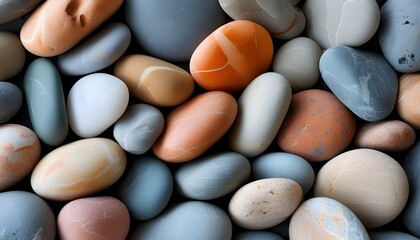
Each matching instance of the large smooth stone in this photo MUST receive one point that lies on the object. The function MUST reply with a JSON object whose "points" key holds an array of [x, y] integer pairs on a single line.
{"points": [[56, 26], [78, 169], [12, 58], [260, 235], [190, 220], [390, 235], [212, 176], [10, 101], [408, 100], [97, 52], [399, 34], [14, 9], [95, 102], [262, 107], [25, 216], [341, 22], [363, 80], [372, 184], [196, 125], [46, 103], [232, 56], [171, 30]]}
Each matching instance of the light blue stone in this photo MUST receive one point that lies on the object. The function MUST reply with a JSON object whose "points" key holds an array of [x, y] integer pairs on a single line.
{"points": [[10, 101], [253, 235], [13, 9], [362, 80], [390, 235]]}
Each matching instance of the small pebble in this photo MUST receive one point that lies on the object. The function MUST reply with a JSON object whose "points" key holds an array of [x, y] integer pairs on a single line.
{"points": [[12, 57], [11, 99], [408, 100]]}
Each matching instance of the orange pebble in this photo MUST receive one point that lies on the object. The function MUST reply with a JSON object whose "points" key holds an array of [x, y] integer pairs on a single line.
{"points": [[232, 56], [409, 99]]}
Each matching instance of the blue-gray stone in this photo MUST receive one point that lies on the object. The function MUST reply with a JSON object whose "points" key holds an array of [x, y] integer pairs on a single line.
{"points": [[13, 9], [10, 101], [172, 29], [45, 99], [399, 34], [362, 80], [391, 235], [253, 235]]}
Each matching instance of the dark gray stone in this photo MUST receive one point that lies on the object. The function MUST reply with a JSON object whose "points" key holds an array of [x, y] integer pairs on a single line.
{"points": [[10, 101]]}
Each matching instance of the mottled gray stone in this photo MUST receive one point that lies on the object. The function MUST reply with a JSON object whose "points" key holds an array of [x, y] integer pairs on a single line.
{"points": [[10, 101], [13, 9]]}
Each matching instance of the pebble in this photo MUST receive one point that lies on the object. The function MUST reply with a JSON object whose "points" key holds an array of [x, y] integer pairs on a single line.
{"points": [[100, 217], [10, 101], [232, 56], [46, 101], [333, 23], [317, 127], [325, 218], [370, 183], [97, 52], [196, 125], [390, 235], [399, 34], [138, 128], [12, 57], [95, 102], [213, 176], [408, 99], [146, 187], [57, 26], [153, 80], [363, 80], [78, 169], [20, 150], [260, 235], [12, 9], [262, 107], [264, 203], [283, 19]]}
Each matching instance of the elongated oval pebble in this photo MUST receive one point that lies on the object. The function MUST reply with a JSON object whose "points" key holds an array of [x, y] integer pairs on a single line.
{"points": [[408, 99], [78, 169], [12, 9], [12, 58], [10, 101]]}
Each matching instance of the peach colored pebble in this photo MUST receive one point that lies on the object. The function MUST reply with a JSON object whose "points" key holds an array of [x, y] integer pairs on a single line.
{"points": [[408, 100]]}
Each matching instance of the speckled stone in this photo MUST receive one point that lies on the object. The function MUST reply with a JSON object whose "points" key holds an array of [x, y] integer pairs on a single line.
{"points": [[10, 101]]}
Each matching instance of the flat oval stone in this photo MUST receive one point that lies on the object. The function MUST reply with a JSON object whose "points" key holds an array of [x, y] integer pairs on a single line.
{"points": [[264, 203], [372, 184], [232, 56], [78, 169], [20, 150], [45, 99], [261, 235], [212, 176], [317, 127], [146, 188], [14, 9], [194, 126], [95, 102], [283, 19], [325, 218], [390, 235], [12, 56], [154, 81], [333, 23], [399, 34], [56, 26], [10, 101], [97, 52], [408, 99], [363, 80], [160, 27], [138, 128]]}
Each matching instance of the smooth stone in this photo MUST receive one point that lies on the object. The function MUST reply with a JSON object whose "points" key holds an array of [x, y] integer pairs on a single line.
{"points": [[317, 127], [138, 128], [146, 187], [161, 27], [212, 176], [57, 26], [325, 218], [363, 80], [14, 26], [399, 34], [390, 135], [390, 235], [284, 165], [97, 52], [14, 9], [20, 150], [408, 99], [196, 125], [95, 102], [370, 183], [46, 103], [101, 217], [11, 99], [232, 56], [260, 235], [341, 22], [189, 220], [298, 61], [154, 81], [262, 107], [25, 216], [78, 169], [283, 19], [264, 203], [12, 58]]}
